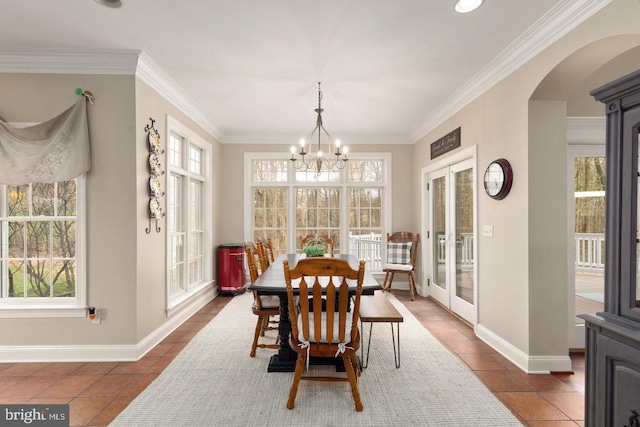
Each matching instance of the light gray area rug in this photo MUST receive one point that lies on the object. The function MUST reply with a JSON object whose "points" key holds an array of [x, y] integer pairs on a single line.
{"points": [[214, 382]]}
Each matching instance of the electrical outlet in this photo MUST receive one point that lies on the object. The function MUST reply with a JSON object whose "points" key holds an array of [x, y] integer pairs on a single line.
{"points": [[96, 318]]}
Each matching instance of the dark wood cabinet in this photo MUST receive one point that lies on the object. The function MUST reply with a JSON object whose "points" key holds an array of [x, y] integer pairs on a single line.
{"points": [[612, 386]]}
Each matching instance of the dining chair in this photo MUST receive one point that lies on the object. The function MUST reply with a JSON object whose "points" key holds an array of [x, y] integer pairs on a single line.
{"points": [[263, 258], [327, 240], [267, 245], [402, 248], [264, 306], [325, 333]]}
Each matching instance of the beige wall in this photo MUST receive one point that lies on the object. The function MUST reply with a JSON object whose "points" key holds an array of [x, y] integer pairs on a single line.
{"points": [[111, 204], [125, 266], [151, 248], [520, 269]]}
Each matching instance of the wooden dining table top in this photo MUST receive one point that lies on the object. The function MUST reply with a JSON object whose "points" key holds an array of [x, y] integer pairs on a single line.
{"points": [[271, 281]]}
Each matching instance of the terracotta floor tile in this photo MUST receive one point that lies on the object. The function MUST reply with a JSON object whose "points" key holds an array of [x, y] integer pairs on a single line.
{"points": [[60, 368], [7, 382], [532, 406], [546, 383], [174, 337], [571, 403], [160, 349], [23, 369], [176, 349], [552, 424], [112, 411], [160, 364], [70, 386], [27, 388], [84, 409], [469, 346], [498, 381], [119, 385], [95, 368], [50, 400], [482, 362], [4, 366], [142, 366], [450, 335]]}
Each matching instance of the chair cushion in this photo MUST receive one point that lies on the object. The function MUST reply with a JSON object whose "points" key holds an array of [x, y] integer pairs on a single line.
{"points": [[399, 253], [401, 267], [270, 301], [323, 338]]}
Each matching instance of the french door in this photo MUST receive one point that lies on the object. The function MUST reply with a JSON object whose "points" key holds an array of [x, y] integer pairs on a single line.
{"points": [[451, 194]]}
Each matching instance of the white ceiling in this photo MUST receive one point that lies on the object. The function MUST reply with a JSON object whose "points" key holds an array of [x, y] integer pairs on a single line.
{"points": [[391, 70]]}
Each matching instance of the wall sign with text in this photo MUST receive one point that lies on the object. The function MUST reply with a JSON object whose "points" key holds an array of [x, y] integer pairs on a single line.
{"points": [[445, 144]]}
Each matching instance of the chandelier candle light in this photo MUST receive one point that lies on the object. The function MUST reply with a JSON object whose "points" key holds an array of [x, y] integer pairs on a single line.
{"points": [[338, 159]]}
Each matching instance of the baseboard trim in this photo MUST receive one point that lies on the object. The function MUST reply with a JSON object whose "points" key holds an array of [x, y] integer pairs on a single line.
{"points": [[104, 353], [529, 364]]}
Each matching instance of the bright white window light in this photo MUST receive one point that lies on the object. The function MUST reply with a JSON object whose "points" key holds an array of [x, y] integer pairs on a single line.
{"points": [[465, 6]]}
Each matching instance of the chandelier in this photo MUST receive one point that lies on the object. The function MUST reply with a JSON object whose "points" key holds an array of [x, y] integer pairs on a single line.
{"points": [[337, 158]]}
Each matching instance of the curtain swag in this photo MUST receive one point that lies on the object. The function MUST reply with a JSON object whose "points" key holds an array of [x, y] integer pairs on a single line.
{"points": [[56, 150]]}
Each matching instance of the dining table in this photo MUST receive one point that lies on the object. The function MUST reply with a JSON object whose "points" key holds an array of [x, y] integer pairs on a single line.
{"points": [[271, 282]]}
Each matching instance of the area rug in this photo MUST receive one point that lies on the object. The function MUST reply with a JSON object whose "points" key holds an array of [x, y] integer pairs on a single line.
{"points": [[214, 382]]}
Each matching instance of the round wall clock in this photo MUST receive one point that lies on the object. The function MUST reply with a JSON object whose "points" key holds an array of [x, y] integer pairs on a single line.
{"points": [[498, 179]]}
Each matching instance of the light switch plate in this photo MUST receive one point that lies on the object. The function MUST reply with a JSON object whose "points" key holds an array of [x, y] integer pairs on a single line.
{"points": [[487, 230]]}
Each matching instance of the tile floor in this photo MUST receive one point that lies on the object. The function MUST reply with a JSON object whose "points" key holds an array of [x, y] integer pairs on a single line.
{"points": [[98, 391]]}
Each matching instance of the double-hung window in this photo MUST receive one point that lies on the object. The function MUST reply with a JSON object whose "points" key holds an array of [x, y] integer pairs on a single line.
{"points": [[42, 255], [351, 205], [188, 213]]}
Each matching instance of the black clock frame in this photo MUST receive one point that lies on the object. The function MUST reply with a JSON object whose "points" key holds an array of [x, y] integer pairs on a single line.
{"points": [[508, 179]]}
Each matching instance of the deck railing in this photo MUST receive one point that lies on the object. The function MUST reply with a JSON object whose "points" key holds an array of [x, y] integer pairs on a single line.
{"points": [[367, 247], [589, 250]]}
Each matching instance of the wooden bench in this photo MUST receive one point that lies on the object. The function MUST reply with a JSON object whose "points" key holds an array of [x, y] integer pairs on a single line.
{"points": [[374, 309]]}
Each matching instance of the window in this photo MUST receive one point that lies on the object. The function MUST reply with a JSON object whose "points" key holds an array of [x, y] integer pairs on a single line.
{"points": [[42, 255], [352, 205], [188, 189]]}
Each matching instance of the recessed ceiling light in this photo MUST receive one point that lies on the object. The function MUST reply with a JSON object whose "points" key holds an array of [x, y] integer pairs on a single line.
{"points": [[110, 3], [464, 6]]}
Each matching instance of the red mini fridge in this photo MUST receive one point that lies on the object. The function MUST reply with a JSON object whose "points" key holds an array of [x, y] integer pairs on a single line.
{"points": [[231, 268]]}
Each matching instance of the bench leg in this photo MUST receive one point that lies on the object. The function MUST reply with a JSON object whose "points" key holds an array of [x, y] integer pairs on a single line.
{"points": [[365, 361], [396, 355]]}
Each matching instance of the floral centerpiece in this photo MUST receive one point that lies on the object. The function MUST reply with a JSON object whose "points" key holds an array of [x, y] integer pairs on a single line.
{"points": [[314, 246]]}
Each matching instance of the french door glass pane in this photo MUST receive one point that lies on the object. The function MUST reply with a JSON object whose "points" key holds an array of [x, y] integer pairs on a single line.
{"points": [[464, 235], [439, 228]]}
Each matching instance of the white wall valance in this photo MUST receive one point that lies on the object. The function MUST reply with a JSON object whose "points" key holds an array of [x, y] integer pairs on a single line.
{"points": [[56, 150]]}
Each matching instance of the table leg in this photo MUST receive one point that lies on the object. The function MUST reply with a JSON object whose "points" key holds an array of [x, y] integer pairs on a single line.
{"points": [[285, 359]]}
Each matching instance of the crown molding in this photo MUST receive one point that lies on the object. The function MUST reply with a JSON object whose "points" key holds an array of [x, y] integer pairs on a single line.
{"points": [[556, 23], [110, 62], [150, 73], [65, 61]]}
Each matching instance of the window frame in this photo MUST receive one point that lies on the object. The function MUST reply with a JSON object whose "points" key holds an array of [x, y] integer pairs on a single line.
{"points": [[292, 185], [205, 178], [58, 307]]}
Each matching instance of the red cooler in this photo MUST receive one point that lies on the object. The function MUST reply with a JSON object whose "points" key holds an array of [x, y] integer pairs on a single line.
{"points": [[231, 268]]}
